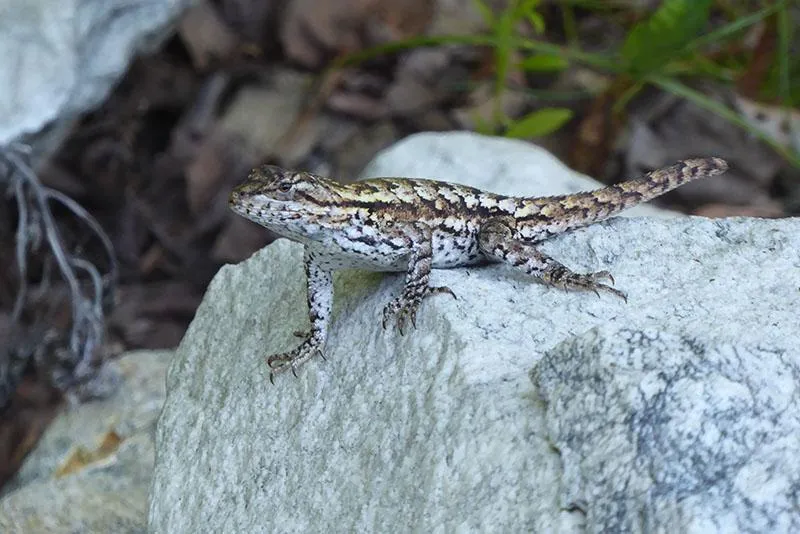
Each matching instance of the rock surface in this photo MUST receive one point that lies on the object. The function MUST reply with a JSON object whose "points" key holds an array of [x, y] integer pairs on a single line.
{"points": [[705, 434], [92, 469], [62, 57], [442, 429]]}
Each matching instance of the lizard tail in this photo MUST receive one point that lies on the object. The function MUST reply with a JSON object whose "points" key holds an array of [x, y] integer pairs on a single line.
{"points": [[580, 209]]}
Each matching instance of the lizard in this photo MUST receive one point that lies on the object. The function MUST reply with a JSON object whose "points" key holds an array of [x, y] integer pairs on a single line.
{"points": [[415, 225]]}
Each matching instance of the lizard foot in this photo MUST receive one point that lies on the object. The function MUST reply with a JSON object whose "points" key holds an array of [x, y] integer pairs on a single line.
{"points": [[405, 306], [279, 363], [566, 279]]}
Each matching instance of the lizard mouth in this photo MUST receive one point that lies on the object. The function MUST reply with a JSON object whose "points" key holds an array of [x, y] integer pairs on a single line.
{"points": [[261, 211]]}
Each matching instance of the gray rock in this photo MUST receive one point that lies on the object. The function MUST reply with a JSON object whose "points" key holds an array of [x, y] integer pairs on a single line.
{"points": [[112, 498], [440, 429], [704, 435], [70, 483], [61, 58]]}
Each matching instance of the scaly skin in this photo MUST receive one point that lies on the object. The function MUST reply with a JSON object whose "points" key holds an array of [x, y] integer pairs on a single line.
{"points": [[413, 225]]}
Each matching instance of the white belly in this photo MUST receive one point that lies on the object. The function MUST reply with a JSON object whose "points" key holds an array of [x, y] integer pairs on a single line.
{"points": [[455, 251], [341, 251]]}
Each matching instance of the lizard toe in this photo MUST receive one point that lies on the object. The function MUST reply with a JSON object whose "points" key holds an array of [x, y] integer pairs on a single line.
{"points": [[280, 363], [405, 307]]}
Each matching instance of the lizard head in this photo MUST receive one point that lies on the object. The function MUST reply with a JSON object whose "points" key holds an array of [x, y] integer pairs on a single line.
{"points": [[287, 202]]}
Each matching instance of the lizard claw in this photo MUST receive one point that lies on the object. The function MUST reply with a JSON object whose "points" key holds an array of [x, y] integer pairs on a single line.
{"points": [[402, 309], [442, 289], [406, 305], [566, 279], [280, 363], [608, 289]]}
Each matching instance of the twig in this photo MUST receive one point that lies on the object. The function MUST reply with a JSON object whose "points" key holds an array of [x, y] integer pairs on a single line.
{"points": [[35, 219]]}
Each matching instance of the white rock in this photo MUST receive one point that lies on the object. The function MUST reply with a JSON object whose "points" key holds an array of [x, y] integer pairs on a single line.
{"points": [[62, 57], [440, 430]]}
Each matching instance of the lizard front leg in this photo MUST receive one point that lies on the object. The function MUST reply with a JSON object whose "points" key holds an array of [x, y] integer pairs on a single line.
{"points": [[496, 240], [418, 237], [320, 300]]}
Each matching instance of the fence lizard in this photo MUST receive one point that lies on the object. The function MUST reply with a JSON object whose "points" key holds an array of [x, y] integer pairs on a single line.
{"points": [[414, 225]]}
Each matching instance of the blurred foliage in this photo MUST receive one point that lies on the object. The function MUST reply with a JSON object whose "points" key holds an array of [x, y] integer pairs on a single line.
{"points": [[679, 41]]}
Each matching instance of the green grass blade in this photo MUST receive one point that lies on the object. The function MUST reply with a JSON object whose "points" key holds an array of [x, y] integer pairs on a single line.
{"points": [[732, 29], [541, 122], [782, 58], [543, 63]]}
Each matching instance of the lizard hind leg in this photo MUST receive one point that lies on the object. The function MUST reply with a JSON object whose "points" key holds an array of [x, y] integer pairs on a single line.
{"points": [[496, 240], [416, 287]]}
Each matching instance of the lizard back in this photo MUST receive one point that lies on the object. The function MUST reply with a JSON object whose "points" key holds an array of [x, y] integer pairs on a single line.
{"points": [[354, 223]]}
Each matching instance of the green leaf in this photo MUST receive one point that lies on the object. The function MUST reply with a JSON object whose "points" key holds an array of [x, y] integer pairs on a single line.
{"points": [[540, 122], [665, 35], [527, 10], [528, 5], [536, 21], [542, 62]]}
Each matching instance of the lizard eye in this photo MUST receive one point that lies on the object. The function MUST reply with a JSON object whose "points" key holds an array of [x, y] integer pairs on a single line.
{"points": [[285, 187]]}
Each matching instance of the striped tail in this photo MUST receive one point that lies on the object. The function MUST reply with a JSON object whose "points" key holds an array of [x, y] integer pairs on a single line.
{"points": [[559, 213]]}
